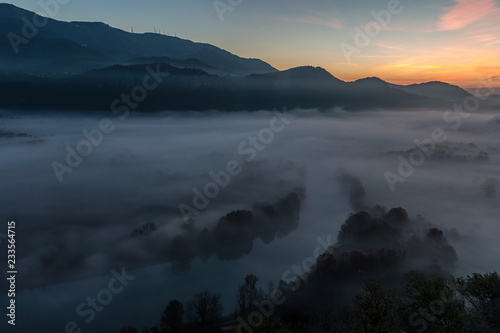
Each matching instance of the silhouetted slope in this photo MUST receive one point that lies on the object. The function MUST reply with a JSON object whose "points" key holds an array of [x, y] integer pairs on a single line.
{"points": [[435, 89], [115, 45], [194, 89]]}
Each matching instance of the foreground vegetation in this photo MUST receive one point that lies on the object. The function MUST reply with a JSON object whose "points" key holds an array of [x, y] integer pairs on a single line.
{"points": [[469, 304]]}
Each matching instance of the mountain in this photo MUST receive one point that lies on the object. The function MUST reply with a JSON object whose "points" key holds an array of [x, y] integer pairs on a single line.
{"points": [[435, 89], [190, 88], [89, 65], [10, 11], [180, 63], [80, 46], [308, 74]]}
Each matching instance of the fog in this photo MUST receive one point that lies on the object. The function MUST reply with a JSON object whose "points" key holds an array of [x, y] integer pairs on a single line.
{"points": [[307, 171]]}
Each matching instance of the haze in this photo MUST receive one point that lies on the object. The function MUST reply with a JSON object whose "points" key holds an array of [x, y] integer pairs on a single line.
{"points": [[77, 231]]}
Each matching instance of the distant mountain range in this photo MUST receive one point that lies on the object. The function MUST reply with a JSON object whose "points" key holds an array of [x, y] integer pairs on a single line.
{"points": [[88, 65]]}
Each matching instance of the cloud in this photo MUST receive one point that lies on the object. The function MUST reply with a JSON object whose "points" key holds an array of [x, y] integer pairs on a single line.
{"points": [[315, 18], [389, 46], [465, 12], [486, 37]]}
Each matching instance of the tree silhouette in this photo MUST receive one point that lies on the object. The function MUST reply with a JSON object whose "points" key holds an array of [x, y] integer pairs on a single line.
{"points": [[482, 292], [144, 230], [172, 317], [490, 186], [375, 310], [247, 293], [432, 305], [207, 307]]}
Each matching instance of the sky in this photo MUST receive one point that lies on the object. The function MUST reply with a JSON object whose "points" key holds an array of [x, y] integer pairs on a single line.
{"points": [[455, 41]]}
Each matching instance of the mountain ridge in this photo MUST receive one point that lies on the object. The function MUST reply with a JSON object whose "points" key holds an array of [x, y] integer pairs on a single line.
{"points": [[87, 64], [195, 89], [119, 45]]}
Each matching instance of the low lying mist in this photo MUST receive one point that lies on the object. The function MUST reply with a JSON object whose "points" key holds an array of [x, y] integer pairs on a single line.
{"points": [[174, 197]]}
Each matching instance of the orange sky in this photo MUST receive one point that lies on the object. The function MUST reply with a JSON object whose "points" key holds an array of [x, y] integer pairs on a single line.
{"points": [[457, 42]]}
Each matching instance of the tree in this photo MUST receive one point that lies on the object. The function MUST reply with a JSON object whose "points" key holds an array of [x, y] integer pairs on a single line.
{"points": [[432, 305], [172, 317], [375, 310], [482, 292], [271, 325], [247, 293], [489, 186], [144, 230], [190, 313], [207, 307], [438, 248], [270, 289]]}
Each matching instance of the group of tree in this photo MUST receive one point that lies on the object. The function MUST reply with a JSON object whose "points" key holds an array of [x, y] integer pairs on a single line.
{"points": [[461, 305], [390, 273], [450, 151], [199, 314], [144, 230], [470, 304]]}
